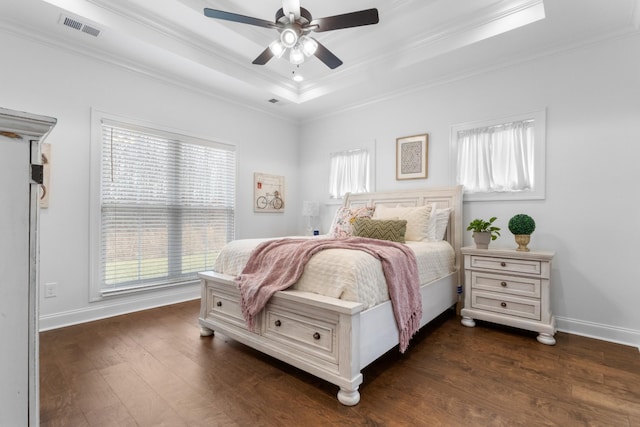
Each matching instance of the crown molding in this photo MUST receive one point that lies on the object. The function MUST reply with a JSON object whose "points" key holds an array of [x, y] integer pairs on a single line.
{"points": [[34, 35], [616, 34]]}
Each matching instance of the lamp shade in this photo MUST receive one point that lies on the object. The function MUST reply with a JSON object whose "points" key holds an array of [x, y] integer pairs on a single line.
{"points": [[296, 56], [310, 208]]}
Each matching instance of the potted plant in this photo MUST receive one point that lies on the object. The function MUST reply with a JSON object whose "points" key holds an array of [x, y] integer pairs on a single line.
{"points": [[522, 225], [484, 232]]}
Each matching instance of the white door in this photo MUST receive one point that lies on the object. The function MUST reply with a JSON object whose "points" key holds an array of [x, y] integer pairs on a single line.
{"points": [[14, 281]]}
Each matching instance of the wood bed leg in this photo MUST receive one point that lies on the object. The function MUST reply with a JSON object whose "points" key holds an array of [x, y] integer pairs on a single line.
{"points": [[349, 397], [205, 332]]}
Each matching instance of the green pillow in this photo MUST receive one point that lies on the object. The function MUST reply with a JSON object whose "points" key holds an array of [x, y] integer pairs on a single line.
{"points": [[381, 229]]}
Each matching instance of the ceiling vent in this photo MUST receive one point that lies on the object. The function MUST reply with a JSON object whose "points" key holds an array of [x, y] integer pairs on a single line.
{"points": [[77, 24]]}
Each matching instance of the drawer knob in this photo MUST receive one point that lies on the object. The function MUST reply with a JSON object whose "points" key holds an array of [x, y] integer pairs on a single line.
{"points": [[277, 323], [503, 304], [219, 303], [503, 264], [316, 336], [503, 284]]}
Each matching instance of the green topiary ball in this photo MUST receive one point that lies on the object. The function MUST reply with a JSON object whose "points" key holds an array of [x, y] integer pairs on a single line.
{"points": [[522, 224]]}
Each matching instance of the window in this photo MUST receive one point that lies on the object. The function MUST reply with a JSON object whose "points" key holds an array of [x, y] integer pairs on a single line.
{"points": [[349, 173], [500, 159], [165, 207]]}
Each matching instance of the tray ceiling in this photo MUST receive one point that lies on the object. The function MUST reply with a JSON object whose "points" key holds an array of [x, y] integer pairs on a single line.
{"points": [[416, 43]]}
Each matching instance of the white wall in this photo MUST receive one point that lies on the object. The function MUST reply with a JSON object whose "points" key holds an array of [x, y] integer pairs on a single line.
{"points": [[50, 81], [592, 96]]}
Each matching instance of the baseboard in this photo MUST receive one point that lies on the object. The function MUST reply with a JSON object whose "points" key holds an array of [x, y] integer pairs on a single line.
{"points": [[117, 307], [617, 335]]}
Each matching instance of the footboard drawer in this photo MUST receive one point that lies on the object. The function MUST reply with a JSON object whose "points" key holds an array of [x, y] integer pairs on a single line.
{"points": [[310, 335], [224, 306]]}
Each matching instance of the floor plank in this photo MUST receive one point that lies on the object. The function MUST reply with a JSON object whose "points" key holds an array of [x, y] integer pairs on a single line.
{"points": [[152, 368]]}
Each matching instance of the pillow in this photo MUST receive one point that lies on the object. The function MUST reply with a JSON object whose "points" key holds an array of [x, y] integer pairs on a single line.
{"points": [[381, 229], [345, 217], [431, 226], [417, 218], [442, 221]]}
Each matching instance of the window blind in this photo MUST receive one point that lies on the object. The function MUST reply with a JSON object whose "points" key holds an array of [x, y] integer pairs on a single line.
{"points": [[167, 206]]}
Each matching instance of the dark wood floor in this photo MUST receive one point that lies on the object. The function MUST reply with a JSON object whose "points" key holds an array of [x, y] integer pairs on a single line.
{"points": [[152, 368]]}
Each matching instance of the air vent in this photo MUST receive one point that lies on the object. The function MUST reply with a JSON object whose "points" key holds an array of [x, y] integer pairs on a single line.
{"points": [[274, 101], [91, 31], [77, 24]]}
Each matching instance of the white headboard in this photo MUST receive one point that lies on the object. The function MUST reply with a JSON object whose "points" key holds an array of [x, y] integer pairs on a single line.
{"points": [[444, 197]]}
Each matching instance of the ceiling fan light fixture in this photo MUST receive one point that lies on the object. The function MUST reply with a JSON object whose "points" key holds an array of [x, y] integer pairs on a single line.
{"points": [[309, 45], [296, 56], [277, 48], [289, 37], [294, 23]]}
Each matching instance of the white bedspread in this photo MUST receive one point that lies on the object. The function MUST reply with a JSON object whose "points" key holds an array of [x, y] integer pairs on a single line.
{"points": [[347, 274]]}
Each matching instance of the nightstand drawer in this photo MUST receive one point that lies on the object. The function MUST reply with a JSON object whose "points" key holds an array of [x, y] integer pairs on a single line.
{"points": [[522, 266], [515, 285], [506, 304]]}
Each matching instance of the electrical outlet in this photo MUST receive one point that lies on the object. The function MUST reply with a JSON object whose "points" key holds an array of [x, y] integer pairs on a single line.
{"points": [[50, 290]]}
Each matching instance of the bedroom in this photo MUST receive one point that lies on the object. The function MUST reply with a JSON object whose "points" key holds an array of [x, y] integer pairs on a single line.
{"points": [[588, 86]]}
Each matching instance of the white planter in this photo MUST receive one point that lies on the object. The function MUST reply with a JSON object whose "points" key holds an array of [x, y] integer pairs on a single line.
{"points": [[482, 239]]}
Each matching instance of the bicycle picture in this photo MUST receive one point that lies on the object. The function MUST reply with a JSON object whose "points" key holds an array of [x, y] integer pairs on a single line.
{"points": [[272, 200], [268, 193]]}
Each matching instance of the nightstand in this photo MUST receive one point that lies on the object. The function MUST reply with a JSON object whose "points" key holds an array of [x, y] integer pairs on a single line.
{"points": [[509, 287]]}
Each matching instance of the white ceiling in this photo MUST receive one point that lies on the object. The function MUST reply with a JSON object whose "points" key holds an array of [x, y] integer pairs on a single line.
{"points": [[416, 43]]}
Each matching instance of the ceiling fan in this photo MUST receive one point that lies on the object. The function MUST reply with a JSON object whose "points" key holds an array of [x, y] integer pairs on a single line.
{"points": [[294, 23]]}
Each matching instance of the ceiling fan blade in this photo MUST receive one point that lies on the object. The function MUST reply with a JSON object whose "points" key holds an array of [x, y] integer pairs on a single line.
{"points": [[234, 17], [291, 6], [326, 56], [347, 20], [264, 57]]}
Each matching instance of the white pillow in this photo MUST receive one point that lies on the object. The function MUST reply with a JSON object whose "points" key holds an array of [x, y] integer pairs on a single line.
{"points": [[431, 227], [442, 221], [417, 219]]}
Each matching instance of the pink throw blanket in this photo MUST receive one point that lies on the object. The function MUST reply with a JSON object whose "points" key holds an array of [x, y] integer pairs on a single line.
{"points": [[277, 264]]}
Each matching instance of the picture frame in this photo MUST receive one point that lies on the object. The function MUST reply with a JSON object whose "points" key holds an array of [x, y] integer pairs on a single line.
{"points": [[412, 155], [268, 193]]}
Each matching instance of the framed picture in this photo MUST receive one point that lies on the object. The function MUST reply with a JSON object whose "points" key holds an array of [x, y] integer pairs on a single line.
{"points": [[411, 156], [268, 193]]}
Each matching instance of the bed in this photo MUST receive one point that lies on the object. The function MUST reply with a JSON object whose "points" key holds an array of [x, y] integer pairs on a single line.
{"points": [[328, 337]]}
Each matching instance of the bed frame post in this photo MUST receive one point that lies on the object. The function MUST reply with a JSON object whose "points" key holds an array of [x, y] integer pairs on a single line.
{"points": [[350, 359]]}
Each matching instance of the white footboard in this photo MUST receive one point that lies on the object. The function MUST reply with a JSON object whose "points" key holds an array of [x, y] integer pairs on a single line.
{"points": [[326, 337], [317, 334]]}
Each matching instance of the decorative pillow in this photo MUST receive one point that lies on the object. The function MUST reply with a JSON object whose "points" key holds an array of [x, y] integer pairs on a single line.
{"points": [[417, 218], [442, 221], [344, 219], [381, 229]]}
